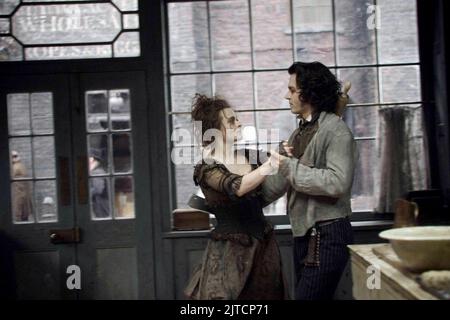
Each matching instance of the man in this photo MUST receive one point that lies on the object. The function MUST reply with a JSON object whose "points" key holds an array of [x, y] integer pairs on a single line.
{"points": [[98, 185], [316, 169], [21, 191]]}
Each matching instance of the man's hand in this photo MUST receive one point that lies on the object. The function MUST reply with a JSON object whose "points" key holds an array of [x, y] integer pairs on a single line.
{"points": [[287, 148]]}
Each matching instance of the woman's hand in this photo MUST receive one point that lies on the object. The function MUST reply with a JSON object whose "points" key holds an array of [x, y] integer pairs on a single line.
{"points": [[254, 178], [266, 168], [275, 159]]}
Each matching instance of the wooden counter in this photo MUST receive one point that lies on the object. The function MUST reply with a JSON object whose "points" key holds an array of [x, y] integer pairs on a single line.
{"points": [[396, 283]]}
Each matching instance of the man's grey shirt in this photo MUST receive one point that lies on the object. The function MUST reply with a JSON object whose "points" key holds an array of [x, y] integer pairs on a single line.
{"points": [[321, 179]]}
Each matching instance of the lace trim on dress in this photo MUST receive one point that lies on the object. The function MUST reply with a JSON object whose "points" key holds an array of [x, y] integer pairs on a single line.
{"points": [[220, 185]]}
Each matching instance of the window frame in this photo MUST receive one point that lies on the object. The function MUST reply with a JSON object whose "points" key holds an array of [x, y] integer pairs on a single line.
{"points": [[359, 215], [110, 44]]}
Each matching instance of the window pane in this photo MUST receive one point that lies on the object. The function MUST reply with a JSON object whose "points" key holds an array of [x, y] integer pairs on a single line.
{"points": [[281, 122], [236, 88], [400, 84], [272, 42], [127, 45], [130, 21], [68, 52], [119, 104], [19, 114], [98, 154], [10, 49], [184, 160], [313, 29], [123, 197], [363, 121], [276, 208], [46, 201], [99, 195], [4, 25], [52, 0], [122, 153], [183, 89], [188, 32], [247, 119], [96, 111], [54, 24], [182, 129], [42, 112], [397, 36], [44, 157], [354, 39], [249, 136], [126, 5], [271, 89], [364, 84], [22, 201], [363, 183], [8, 6], [21, 158], [184, 184], [230, 34]]}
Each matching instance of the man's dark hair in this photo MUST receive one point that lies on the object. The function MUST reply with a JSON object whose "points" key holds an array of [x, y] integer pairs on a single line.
{"points": [[319, 87]]}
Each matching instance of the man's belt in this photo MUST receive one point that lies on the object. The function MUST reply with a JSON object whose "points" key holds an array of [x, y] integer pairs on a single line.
{"points": [[327, 222]]}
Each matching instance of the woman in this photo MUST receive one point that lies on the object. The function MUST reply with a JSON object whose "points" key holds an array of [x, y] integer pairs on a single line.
{"points": [[242, 259]]}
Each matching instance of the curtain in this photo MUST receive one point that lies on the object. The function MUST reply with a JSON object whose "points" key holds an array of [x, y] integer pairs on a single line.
{"points": [[402, 163]]}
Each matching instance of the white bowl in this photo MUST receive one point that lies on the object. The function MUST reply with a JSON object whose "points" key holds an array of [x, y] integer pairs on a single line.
{"points": [[421, 248]]}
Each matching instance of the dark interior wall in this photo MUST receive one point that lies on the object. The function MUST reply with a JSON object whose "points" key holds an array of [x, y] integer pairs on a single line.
{"points": [[442, 89], [434, 54]]}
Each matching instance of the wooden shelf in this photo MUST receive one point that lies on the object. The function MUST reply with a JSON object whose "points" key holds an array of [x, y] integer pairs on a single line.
{"points": [[396, 283]]}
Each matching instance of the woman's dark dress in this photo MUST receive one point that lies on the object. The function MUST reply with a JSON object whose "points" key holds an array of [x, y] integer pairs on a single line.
{"points": [[242, 259]]}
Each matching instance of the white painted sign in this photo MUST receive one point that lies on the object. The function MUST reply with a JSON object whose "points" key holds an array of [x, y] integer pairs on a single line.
{"points": [[66, 23]]}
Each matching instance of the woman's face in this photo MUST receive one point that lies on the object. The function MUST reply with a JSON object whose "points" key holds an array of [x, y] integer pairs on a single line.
{"points": [[230, 125]]}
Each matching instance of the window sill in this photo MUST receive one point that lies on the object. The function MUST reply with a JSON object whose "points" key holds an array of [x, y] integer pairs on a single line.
{"points": [[282, 229]]}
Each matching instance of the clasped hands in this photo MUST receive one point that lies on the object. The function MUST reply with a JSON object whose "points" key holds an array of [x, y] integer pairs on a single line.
{"points": [[273, 163]]}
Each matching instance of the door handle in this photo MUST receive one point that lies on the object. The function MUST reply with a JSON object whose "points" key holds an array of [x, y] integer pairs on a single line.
{"points": [[65, 235]]}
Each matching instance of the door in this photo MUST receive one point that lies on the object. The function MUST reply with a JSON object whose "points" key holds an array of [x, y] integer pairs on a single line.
{"points": [[83, 200], [36, 194]]}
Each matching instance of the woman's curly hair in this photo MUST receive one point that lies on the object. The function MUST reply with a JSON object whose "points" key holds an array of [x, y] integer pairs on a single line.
{"points": [[207, 110], [319, 87]]}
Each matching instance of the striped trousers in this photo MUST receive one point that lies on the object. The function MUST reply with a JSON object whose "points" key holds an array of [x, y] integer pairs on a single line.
{"points": [[320, 257]]}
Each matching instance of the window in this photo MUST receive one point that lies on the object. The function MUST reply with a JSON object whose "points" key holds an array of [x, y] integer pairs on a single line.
{"points": [[32, 157], [241, 50], [109, 128], [49, 30]]}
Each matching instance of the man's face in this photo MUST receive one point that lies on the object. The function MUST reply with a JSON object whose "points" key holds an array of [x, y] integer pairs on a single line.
{"points": [[293, 96], [93, 163], [15, 156], [231, 124]]}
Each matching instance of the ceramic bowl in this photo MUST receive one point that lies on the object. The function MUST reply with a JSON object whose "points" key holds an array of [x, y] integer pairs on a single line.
{"points": [[421, 248]]}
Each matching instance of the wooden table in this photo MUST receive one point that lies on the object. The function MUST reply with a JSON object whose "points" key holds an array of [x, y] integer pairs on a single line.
{"points": [[396, 283]]}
